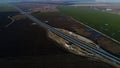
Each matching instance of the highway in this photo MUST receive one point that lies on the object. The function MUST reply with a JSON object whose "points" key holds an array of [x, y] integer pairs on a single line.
{"points": [[98, 52]]}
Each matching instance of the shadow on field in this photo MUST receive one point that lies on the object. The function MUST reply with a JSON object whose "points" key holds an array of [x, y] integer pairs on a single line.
{"points": [[23, 45]]}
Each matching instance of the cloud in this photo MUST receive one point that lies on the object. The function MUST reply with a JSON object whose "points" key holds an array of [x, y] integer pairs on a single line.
{"points": [[100, 0]]}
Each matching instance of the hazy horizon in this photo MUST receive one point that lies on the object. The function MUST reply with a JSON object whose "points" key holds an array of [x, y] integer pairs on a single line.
{"points": [[101, 1]]}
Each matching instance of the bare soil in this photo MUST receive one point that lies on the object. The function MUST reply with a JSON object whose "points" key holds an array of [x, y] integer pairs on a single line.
{"points": [[66, 22], [23, 45]]}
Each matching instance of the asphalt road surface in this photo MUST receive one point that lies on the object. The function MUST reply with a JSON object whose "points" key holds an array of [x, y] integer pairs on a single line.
{"points": [[89, 48]]}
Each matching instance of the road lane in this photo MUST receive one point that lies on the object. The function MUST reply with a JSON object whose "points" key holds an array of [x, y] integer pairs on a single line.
{"points": [[88, 47]]}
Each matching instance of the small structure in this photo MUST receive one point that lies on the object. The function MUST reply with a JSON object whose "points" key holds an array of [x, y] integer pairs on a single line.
{"points": [[108, 9]]}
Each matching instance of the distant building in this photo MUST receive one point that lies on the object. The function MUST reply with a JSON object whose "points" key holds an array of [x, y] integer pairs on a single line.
{"points": [[108, 9]]}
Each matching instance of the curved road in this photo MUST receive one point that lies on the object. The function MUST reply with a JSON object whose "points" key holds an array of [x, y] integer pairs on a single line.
{"points": [[98, 52]]}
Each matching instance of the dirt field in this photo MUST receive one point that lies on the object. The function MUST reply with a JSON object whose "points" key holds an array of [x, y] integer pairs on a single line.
{"points": [[24, 45]]}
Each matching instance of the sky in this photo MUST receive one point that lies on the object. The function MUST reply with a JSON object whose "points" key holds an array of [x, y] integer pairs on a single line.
{"points": [[65, 0], [107, 0]]}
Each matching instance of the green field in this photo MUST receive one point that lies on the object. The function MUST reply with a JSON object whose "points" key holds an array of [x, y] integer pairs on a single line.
{"points": [[6, 8], [106, 23]]}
